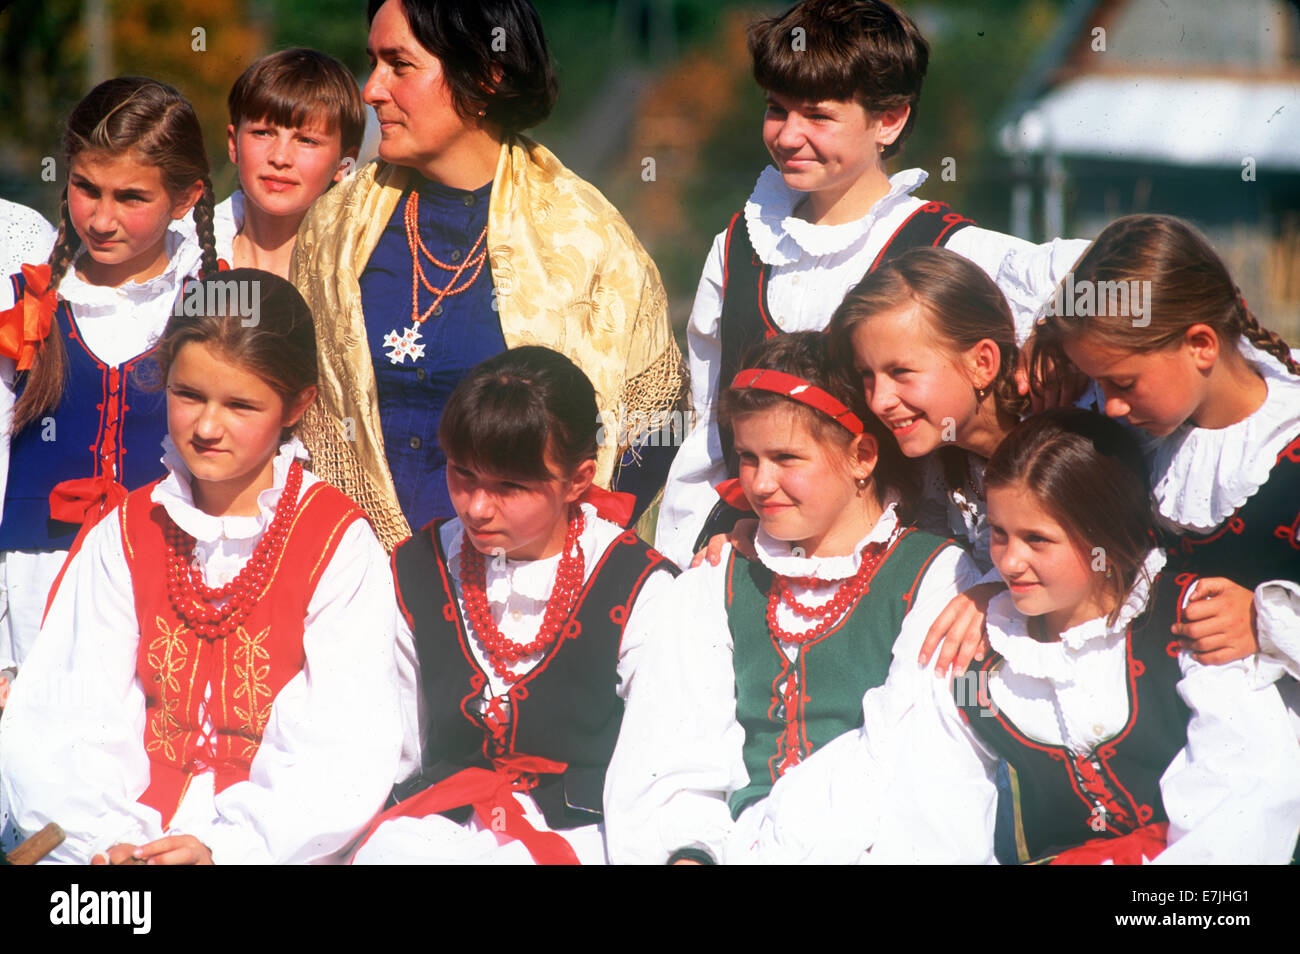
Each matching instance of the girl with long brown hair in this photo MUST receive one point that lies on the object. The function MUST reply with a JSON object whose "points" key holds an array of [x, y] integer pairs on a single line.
{"points": [[78, 430], [1157, 322]]}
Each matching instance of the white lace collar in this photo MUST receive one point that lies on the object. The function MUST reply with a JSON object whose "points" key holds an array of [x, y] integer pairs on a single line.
{"points": [[183, 257], [776, 556], [1009, 634], [780, 238], [533, 579], [177, 497], [1202, 476]]}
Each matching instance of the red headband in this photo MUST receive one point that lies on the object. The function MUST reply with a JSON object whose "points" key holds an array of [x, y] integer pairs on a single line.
{"points": [[797, 389]]}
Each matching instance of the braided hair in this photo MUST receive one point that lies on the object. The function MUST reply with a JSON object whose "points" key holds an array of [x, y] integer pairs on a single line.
{"points": [[1189, 285], [159, 126]]}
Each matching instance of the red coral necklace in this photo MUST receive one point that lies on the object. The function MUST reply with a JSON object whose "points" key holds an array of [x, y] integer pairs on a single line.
{"points": [[829, 613], [501, 650], [193, 599]]}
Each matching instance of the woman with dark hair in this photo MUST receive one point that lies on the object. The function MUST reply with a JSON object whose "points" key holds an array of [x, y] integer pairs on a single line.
{"points": [[466, 238]]}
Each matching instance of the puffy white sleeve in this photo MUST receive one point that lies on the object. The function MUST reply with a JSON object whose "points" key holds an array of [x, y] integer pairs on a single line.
{"points": [[1277, 620], [1029, 274], [679, 750], [73, 732], [329, 752], [410, 702], [912, 785], [643, 626], [1232, 793], [699, 465]]}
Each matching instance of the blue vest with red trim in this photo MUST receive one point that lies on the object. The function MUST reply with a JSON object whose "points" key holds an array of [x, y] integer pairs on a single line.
{"points": [[106, 423], [790, 708], [565, 709], [1062, 801], [1260, 541]]}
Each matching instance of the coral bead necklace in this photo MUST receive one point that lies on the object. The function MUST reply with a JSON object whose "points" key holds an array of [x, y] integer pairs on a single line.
{"points": [[830, 612], [193, 599], [503, 651]]}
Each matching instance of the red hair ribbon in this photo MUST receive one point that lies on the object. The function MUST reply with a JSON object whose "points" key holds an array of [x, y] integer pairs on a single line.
{"points": [[24, 326], [611, 505], [797, 389], [491, 792]]}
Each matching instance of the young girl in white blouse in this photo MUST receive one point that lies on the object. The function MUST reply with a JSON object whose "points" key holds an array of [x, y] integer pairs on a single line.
{"points": [[523, 622], [843, 84], [78, 430], [1122, 748], [1221, 397], [760, 662], [215, 678]]}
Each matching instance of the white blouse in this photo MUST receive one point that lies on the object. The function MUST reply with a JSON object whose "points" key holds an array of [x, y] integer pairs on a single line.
{"points": [[115, 324], [914, 784], [679, 754], [1201, 477], [517, 592], [73, 732], [813, 267]]}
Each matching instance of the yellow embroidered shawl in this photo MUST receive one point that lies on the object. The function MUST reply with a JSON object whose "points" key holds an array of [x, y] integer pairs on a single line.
{"points": [[569, 274]]}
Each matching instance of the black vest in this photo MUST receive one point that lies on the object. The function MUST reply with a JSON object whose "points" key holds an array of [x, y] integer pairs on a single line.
{"points": [[1059, 800], [747, 320], [566, 709], [1260, 541]]}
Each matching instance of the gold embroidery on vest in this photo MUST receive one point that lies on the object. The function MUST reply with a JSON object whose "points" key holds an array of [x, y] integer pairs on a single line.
{"points": [[253, 674], [167, 654]]}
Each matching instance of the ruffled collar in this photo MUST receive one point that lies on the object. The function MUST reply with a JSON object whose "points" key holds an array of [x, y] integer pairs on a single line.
{"points": [[183, 257], [1202, 476], [176, 495], [532, 579], [780, 237], [776, 556], [1009, 633]]}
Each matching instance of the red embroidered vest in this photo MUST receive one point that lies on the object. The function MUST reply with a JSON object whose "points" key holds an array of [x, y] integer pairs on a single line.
{"points": [[245, 671]]}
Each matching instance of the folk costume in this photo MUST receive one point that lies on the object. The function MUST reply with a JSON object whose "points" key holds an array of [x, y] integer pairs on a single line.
{"points": [[552, 264], [740, 687], [505, 752], [262, 720], [78, 461], [783, 274], [1231, 494], [1118, 744]]}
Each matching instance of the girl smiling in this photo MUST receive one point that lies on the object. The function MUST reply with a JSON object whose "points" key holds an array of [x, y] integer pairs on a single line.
{"points": [[1122, 749], [760, 662]]}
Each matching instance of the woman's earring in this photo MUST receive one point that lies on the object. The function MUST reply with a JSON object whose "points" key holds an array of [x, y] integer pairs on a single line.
{"points": [[482, 113], [861, 482], [981, 393]]}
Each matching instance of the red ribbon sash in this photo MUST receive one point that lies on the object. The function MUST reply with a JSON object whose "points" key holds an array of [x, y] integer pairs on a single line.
{"points": [[491, 794]]}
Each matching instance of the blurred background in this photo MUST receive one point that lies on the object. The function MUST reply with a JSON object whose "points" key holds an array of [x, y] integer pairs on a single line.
{"points": [[1039, 117]]}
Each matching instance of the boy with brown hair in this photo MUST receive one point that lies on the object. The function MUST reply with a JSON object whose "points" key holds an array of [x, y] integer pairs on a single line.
{"points": [[296, 124]]}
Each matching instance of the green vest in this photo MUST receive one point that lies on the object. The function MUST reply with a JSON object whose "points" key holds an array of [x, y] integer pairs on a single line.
{"points": [[788, 709]]}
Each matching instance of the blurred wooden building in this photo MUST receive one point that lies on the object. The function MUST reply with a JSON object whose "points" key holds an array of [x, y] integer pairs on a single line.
{"points": [[1185, 107]]}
